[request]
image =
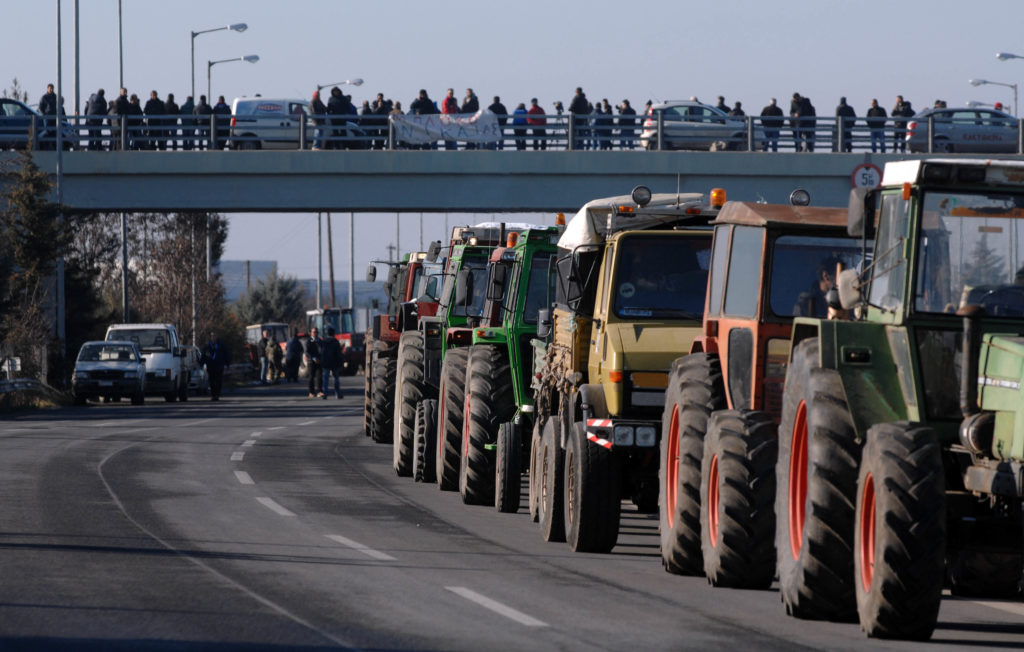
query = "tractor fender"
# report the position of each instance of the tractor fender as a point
(591, 402)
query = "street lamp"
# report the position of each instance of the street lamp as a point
(980, 82)
(348, 82)
(250, 58)
(237, 27)
(1003, 56)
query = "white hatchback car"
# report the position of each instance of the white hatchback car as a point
(692, 125)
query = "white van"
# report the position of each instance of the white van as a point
(165, 357)
(268, 123)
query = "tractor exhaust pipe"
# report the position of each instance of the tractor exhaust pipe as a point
(969, 368)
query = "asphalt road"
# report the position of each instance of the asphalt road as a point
(269, 521)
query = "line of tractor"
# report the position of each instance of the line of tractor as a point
(826, 398)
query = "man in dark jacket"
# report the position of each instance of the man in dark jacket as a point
(154, 111)
(381, 108)
(501, 113)
(317, 111)
(171, 109)
(48, 107)
(216, 357)
(202, 112)
(771, 120)
(96, 106)
(579, 107)
(314, 356)
(188, 132)
(221, 110)
(292, 358)
(337, 107)
(846, 118)
(627, 125)
(331, 361)
(876, 123)
(899, 134)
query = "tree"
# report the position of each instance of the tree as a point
(16, 91)
(276, 298)
(984, 266)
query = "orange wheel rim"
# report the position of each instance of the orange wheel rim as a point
(798, 480)
(672, 468)
(712, 505)
(866, 542)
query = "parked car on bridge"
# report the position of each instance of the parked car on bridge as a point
(16, 126)
(964, 130)
(110, 370)
(273, 123)
(692, 125)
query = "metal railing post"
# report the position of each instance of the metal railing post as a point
(661, 123)
(1020, 135)
(212, 142)
(931, 134)
(391, 134)
(571, 124)
(34, 132)
(302, 132)
(123, 124)
(750, 133)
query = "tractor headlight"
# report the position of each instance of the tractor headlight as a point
(623, 435)
(646, 436)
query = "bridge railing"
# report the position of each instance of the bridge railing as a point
(561, 132)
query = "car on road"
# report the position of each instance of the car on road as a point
(198, 380)
(963, 130)
(109, 370)
(16, 125)
(691, 125)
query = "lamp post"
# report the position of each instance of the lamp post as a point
(981, 82)
(250, 58)
(348, 82)
(237, 27)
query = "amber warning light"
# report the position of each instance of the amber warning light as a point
(718, 197)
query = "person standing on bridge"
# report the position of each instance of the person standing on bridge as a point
(876, 123)
(154, 111)
(171, 110)
(317, 111)
(902, 109)
(580, 110)
(771, 120)
(846, 118)
(519, 126)
(450, 106)
(48, 107)
(216, 357)
(202, 112)
(95, 107)
(501, 113)
(538, 122)
(187, 132)
(221, 136)
(627, 125)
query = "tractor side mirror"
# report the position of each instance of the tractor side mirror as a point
(496, 287)
(543, 322)
(848, 285)
(433, 251)
(860, 214)
(371, 273)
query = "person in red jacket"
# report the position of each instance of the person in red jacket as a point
(450, 106)
(538, 122)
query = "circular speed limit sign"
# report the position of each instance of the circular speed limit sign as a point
(866, 175)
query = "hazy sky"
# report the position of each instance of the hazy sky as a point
(746, 50)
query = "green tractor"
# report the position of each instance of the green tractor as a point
(901, 444)
(499, 367)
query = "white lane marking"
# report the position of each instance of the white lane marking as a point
(496, 607)
(308, 423)
(237, 456)
(355, 545)
(273, 506)
(105, 425)
(196, 423)
(248, 443)
(255, 434)
(1008, 607)
(244, 477)
(276, 428)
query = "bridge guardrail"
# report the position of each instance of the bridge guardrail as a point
(561, 133)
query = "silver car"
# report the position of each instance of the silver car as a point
(16, 119)
(692, 125)
(198, 380)
(109, 370)
(966, 130)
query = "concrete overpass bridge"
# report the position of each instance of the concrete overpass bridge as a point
(433, 181)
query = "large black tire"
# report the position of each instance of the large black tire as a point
(410, 389)
(424, 445)
(138, 399)
(738, 499)
(535, 471)
(507, 470)
(814, 515)
(368, 390)
(490, 401)
(552, 460)
(900, 532)
(383, 399)
(981, 573)
(591, 503)
(695, 390)
(451, 402)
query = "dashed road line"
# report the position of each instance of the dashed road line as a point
(308, 423)
(196, 423)
(1008, 607)
(237, 456)
(255, 434)
(274, 506)
(355, 545)
(248, 443)
(276, 428)
(244, 477)
(496, 607)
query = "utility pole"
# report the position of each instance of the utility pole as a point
(330, 258)
(319, 264)
(398, 238)
(351, 259)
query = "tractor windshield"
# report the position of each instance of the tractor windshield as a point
(804, 268)
(538, 287)
(969, 254)
(662, 278)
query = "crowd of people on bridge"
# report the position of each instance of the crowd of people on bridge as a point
(164, 124)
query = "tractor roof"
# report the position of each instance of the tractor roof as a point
(776, 215)
(600, 218)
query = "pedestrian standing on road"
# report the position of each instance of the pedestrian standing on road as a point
(538, 123)
(202, 112)
(331, 363)
(171, 110)
(317, 111)
(876, 123)
(154, 111)
(187, 131)
(261, 352)
(274, 357)
(519, 126)
(216, 357)
(501, 113)
(293, 358)
(902, 109)
(846, 117)
(771, 120)
(627, 125)
(314, 352)
(221, 109)
(95, 107)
